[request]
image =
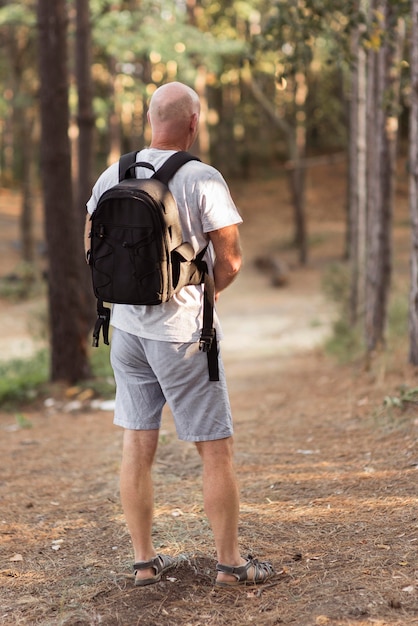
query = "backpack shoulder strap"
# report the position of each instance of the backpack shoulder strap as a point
(124, 162)
(173, 163)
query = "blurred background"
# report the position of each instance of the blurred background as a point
(285, 86)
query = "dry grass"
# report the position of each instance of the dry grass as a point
(331, 501)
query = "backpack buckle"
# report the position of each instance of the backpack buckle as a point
(206, 337)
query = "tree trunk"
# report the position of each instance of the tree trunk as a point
(85, 120)
(299, 172)
(357, 181)
(381, 181)
(115, 131)
(374, 137)
(69, 361)
(297, 177)
(27, 235)
(204, 135)
(296, 143)
(413, 187)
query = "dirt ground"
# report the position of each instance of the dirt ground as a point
(328, 476)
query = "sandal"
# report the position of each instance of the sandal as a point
(160, 564)
(262, 571)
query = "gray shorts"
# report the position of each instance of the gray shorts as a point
(150, 373)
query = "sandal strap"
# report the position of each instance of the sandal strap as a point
(159, 563)
(227, 569)
(262, 570)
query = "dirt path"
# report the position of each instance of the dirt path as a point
(328, 482)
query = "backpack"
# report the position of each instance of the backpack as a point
(137, 253)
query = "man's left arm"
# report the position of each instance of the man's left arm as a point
(87, 239)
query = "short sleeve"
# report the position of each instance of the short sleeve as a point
(217, 206)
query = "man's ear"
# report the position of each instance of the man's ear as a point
(194, 122)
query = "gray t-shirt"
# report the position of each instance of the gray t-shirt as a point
(205, 204)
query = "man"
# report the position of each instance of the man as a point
(156, 359)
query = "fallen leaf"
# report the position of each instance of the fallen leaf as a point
(87, 394)
(72, 391)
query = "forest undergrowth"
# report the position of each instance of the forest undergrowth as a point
(326, 455)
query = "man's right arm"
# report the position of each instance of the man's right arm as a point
(228, 256)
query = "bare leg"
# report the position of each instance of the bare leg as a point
(137, 493)
(221, 499)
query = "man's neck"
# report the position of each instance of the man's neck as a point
(165, 146)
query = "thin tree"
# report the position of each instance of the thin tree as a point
(295, 138)
(19, 124)
(375, 226)
(382, 136)
(86, 123)
(357, 186)
(413, 186)
(69, 360)
(26, 220)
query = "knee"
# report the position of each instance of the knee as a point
(139, 448)
(219, 450)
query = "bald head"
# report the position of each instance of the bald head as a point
(174, 115)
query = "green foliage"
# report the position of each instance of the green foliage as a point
(21, 284)
(397, 409)
(158, 30)
(407, 397)
(100, 361)
(293, 28)
(140, 44)
(145, 44)
(22, 421)
(398, 317)
(336, 284)
(345, 343)
(21, 379)
(308, 39)
(17, 14)
(102, 383)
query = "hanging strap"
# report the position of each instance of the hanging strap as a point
(102, 324)
(208, 342)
